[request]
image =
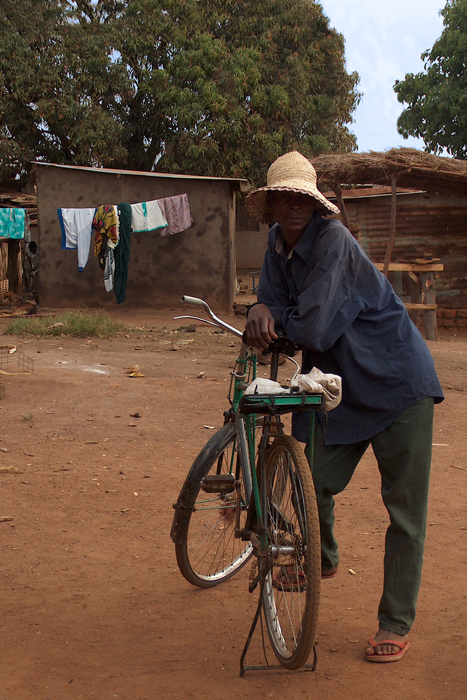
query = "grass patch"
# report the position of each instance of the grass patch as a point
(78, 324)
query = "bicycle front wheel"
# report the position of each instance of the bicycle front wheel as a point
(291, 589)
(206, 547)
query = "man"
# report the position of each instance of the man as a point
(321, 289)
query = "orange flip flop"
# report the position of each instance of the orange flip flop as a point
(386, 658)
(329, 573)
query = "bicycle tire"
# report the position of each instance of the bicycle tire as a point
(206, 548)
(291, 589)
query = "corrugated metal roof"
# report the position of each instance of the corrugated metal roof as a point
(139, 172)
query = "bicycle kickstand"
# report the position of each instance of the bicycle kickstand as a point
(264, 568)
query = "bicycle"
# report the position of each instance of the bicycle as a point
(249, 495)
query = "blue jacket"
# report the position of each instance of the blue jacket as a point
(328, 296)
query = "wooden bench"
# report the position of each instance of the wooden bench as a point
(425, 273)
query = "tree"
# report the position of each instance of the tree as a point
(437, 97)
(264, 77)
(57, 91)
(211, 87)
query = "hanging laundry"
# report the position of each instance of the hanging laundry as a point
(12, 222)
(76, 225)
(105, 225)
(109, 269)
(122, 252)
(177, 212)
(147, 216)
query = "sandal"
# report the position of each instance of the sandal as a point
(288, 578)
(329, 573)
(385, 658)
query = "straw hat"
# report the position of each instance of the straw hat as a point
(291, 172)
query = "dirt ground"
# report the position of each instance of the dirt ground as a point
(93, 605)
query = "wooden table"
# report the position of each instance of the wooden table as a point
(426, 301)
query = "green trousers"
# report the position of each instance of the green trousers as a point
(403, 453)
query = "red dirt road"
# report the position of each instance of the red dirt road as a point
(93, 605)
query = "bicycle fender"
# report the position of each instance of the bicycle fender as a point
(199, 469)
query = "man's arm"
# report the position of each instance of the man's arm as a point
(272, 301)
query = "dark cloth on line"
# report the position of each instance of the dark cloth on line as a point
(122, 252)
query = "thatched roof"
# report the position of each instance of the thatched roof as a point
(24, 201)
(413, 169)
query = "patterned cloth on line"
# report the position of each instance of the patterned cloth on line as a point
(109, 269)
(12, 222)
(105, 224)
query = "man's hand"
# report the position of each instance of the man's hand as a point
(259, 329)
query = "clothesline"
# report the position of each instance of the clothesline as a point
(113, 226)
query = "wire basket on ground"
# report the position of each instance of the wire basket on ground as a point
(13, 361)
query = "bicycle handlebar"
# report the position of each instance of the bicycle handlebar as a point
(195, 301)
(283, 344)
(218, 321)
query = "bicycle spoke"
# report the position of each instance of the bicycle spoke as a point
(209, 552)
(291, 588)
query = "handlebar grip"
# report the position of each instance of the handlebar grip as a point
(192, 300)
(282, 345)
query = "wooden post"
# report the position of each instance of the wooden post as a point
(428, 296)
(3, 260)
(392, 236)
(340, 202)
(19, 270)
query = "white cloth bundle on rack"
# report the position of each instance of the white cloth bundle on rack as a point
(315, 382)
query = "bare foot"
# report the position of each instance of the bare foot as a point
(385, 649)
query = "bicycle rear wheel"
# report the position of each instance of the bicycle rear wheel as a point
(292, 587)
(205, 544)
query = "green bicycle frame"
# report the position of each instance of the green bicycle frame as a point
(245, 371)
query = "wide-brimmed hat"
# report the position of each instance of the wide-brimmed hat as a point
(291, 172)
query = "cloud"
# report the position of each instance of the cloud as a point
(383, 41)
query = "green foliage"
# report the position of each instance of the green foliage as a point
(57, 91)
(437, 98)
(78, 324)
(210, 87)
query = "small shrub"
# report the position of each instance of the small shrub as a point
(78, 324)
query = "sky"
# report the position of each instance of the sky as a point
(383, 42)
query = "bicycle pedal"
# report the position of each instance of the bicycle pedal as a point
(253, 570)
(218, 483)
(254, 576)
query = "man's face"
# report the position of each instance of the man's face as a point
(293, 212)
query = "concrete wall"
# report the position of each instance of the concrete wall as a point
(199, 261)
(251, 247)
